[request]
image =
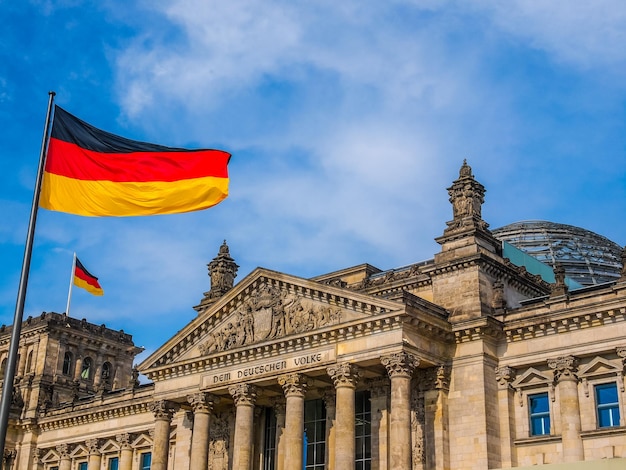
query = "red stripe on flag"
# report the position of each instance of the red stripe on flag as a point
(72, 161)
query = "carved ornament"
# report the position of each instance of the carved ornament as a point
(400, 364)
(243, 394)
(202, 402)
(293, 384)
(565, 368)
(344, 374)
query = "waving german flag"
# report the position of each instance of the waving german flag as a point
(94, 173)
(86, 280)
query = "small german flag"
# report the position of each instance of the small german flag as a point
(86, 280)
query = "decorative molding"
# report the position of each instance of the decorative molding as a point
(505, 375)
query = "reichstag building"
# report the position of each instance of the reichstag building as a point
(507, 349)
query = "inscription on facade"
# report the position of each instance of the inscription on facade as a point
(261, 369)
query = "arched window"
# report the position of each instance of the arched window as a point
(3, 368)
(86, 371)
(68, 360)
(106, 371)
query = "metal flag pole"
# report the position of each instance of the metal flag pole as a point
(7, 389)
(69, 294)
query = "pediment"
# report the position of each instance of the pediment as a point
(599, 367)
(142, 440)
(265, 307)
(532, 377)
(79, 451)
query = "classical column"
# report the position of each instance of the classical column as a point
(95, 457)
(163, 411)
(379, 397)
(126, 451)
(345, 377)
(505, 375)
(202, 405)
(400, 367)
(244, 396)
(294, 386)
(64, 457)
(565, 376)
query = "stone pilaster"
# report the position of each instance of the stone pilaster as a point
(379, 399)
(163, 411)
(202, 405)
(244, 396)
(400, 367)
(345, 377)
(126, 451)
(331, 412)
(294, 387)
(566, 378)
(505, 375)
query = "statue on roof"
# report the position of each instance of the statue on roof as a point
(222, 271)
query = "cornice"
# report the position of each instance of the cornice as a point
(564, 321)
(477, 330)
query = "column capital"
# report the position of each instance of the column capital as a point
(243, 394)
(565, 368)
(123, 440)
(293, 384)
(344, 374)
(400, 364)
(93, 445)
(64, 451)
(505, 375)
(202, 402)
(163, 409)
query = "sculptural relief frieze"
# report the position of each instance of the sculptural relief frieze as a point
(269, 313)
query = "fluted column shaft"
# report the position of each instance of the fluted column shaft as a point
(65, 462)
(279, 411)
(565, 375)
(244, 396)
(163, 411)
(294, 386)
(400, 367)
(345, 377)
(202, 405)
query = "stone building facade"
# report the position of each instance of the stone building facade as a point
(464, 361)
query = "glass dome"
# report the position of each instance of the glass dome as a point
(587, 257)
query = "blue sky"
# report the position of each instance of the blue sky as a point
(347, 121)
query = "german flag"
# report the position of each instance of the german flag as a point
(86, 280)
(91, 172)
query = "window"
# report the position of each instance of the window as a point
(607, 405)
(314, 435)
(29, 361)
(82, 466)
(270, 440)
(539, 410)
(106, 371)
(86, 370)
(363, 431)
(146, 461)
(68, 360)
(113, 463)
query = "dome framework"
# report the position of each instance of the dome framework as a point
(587, 257)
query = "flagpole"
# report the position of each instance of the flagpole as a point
(7, 389)
(69, 294)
